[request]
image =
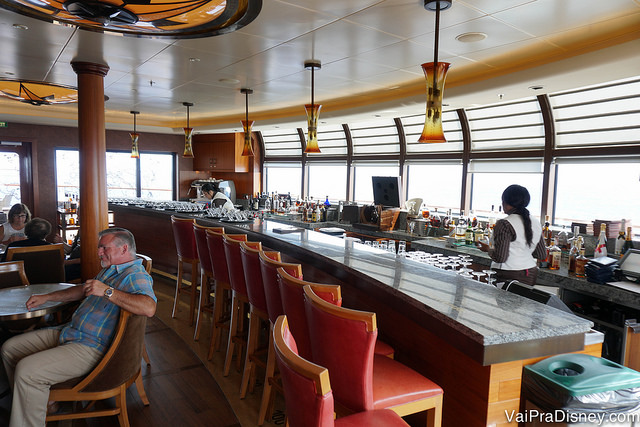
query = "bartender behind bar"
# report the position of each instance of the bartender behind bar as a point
(218, 199)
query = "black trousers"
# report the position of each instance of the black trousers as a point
(528, 277)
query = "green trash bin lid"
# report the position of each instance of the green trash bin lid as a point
(580, 374)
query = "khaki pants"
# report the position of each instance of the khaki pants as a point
(33, 362)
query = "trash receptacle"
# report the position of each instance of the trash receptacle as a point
(580, 390)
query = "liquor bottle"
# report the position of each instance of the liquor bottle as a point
(581, 261)
(628, 243)
(492, 217)
(573, 254)
(555, 256)
(478, 234)
(461, 228)
(435, 219)
(327, 205)
(562, 239)
(474, 220)
(546, 231)
(619, 243)
(314, 215)
(317, 213)
(468, 235)
(601, 247)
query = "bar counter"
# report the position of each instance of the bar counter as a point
(470, 338)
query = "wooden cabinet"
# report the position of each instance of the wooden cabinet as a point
(219, 152)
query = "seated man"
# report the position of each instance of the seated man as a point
(36, 231)
(36, 360)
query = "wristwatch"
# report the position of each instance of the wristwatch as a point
(108, 292)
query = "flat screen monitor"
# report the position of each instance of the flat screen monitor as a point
(386, 191)
(229, 189)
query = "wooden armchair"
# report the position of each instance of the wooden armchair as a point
(12, 274)
(117, 370)
(42, 264)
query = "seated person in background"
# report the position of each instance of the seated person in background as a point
(36, 360)
(72, 261)
(13, 230)
(218, 198)
(36, 231)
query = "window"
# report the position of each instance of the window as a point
(155, 173)
(437, 184)
(327, 179)
(9, 179)
(282, 142)
(597, 189)
(490, 178)
(363, 186)
(283, 178)
(331, 140)
(451, 127)
(156, 176)
(379, 137)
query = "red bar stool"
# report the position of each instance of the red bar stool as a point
(307, 389)
(223, 289)
(293, 303)
(206, 270)
(270, 261)
(363, 380)
(187, 253)
(231, 244)
(249, 253)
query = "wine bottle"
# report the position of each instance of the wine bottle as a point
(492, 217)
(601, 247)
(581, 261)
(546, 231)
(628, 243)
(619, 243)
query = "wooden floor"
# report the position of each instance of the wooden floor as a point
(183, 387)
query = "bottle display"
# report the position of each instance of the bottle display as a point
(601, 246)
(581, 261)
(555, 256)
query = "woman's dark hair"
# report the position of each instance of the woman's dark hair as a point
(518, 197)
(18, 209)
(210, 186)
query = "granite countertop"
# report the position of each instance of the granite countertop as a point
(488, 315)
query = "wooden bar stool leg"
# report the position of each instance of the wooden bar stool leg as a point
(218, 307)
(267, 390)
(178, 286)
(252, 344)
(242, 318)
(233, 327)
(194, 290)
(141, 392)
(204, 293)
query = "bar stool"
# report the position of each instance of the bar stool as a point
(223, 289)
(239, 298)
(292, 297)
(206, 270)
(249, 254)
(307, 389)
(270, 261)
(362, 380)
(187, 253)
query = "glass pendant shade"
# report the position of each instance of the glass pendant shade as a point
(313, 111)
(188, 146)
(435, 76)
(135, 154)
(247, 149)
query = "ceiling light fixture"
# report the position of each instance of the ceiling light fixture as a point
(188, 134)
(149, 18)
(435, 72)
(313, 111)
(471, 37)
(37, 93)
(247, 149)
(135, 154)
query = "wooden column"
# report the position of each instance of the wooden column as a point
(92, 151)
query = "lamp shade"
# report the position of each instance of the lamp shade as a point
(188, 146)
(247, 148)
(435, 76)
(313, 111)
(135, 153)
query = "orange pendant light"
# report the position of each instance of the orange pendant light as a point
(313, 112)
(135, 154)
(188, 134)
(247, 149)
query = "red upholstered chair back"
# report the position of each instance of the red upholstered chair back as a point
(200, 235)
(217, 255)
(183, 236)
(252, 275)
(343, 341)
(231, 244)
(269, 263)
(292, 296)
(307, 391)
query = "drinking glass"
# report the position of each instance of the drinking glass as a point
(478, 274)
(402, 248)
(383, 245)
(490, 273)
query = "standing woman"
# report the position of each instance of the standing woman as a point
(517, 241)
(13, 230)
(218, 198)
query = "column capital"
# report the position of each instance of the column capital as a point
(90, 68)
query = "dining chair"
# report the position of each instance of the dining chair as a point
(270, 261)
(291, 291)
(222, 297)
(249, 254)
(111, 377)
(361, 379)
(239, 299)
(187, 254)
(42, 264)
(206, 272)
(307, 389)
(12, 274)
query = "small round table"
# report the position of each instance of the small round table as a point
(12, 301)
